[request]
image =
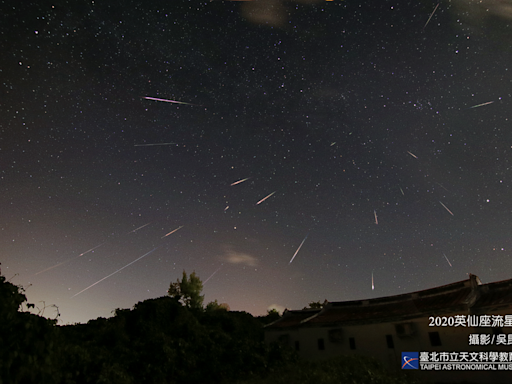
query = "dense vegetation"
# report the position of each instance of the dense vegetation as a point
(340, 370)
(170, 339)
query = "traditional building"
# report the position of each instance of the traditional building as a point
(460, 318)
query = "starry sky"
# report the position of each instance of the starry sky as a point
(355, 117)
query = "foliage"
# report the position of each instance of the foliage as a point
(188, 291)
(342, 369)
(160, 341)
(272, 315)
(28, 346)
(215, 306)
(316, 304)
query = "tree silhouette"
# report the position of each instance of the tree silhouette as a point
(29, 343)
(188, 291)
(317, 304)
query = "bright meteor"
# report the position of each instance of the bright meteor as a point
(174, 230)
(445, 207)
(112, 274)
(412, 154)
(239, 181)
(298, 249)
(167, 100)
(265, 198)
(447, 260)
(432, 14)
(67, 261)
(481, 105)
(136, 229)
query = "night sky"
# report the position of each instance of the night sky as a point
(356, 115)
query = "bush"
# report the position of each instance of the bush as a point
(343, 369)
(29, 343)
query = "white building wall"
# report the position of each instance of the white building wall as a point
(370, 340)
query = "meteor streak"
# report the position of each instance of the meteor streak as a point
(112, 274)
(212, 275)
(167, 100)
(447, 260)
(239, 181)
(170, 233)
(136, 229)
(265, 198)
(67, 261)
(445, 207)
(432, 14)
(481, 105)
(90, 250)
(412, 154)
(442, 187)
(55, 266)
(375, 214)
(373, 286)
(298, 249)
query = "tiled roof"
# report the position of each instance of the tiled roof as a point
(408, 306)
(494, 296)
(460, 297)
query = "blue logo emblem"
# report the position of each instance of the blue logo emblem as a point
(410, 360)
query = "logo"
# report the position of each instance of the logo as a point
(410, 360)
